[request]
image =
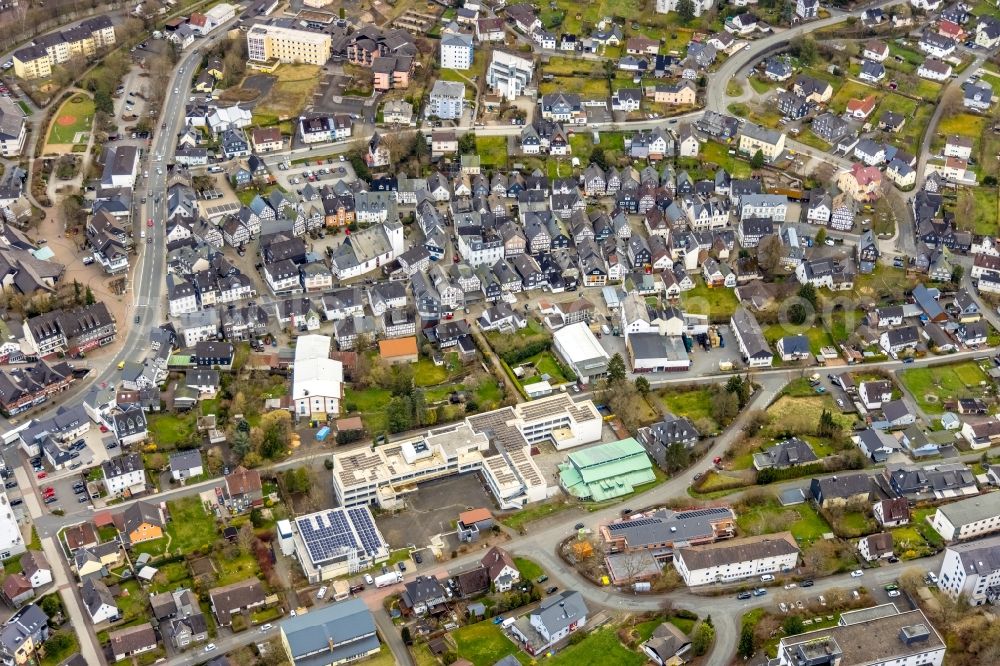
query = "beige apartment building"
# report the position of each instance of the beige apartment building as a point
(36, 60)
(275, 43)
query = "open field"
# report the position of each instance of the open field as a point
(75, 115)
(932, 387)
(577, 18)
(190, 528)
(802, 520)
(492, 150)
(693, 403)
(983, 203)
(884, 282)
(528, 568)
(963, 124)
(291, 92)
(484, 644)
(719, 303)
(801, 414)
(818, 336)
(597, 649)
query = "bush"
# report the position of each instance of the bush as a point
(685, 614)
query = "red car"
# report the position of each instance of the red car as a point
(149, 222)
(104, 428)
(42, 475)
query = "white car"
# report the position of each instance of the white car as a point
(369, 580)
(210, 647)
(791, 586)
(783, 607)
(321, 593)
(893, 593)
(857, 573)
(266, 627)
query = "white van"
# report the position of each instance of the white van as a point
(766, 578)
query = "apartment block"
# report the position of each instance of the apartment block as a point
(276, 43)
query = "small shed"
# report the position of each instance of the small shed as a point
(476, 610)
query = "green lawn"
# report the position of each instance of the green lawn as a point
(850, 90)
(884, 283)
(597, 649)
(190, 528)
(492, 150)
(484, 644)
(984, 205)
(931, 387)
(718, 154)
(533, 512)
(56, 654)
(963, 124)
(546, 364)
(818, 336)
(693, 403)
(168, 430)
(75, 115)
(802, 520)
(425, 373)
(528, 568)
(719, 303)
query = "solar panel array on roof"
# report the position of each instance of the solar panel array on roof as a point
(371, 540)
(332, 534)
(629, 524)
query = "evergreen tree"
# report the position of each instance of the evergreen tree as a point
(616, 369)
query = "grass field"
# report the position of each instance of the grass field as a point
(189, 529)
(519, 519)
(692, 403)
(818, 336)
(719, 303)
(802, 520)
(484, 644)
(983, 204)
(963, 124)
(597, 649)
(613, 144)
(528, 568)
(801, 414)
(883, 283)
(75, 115)
(718, 154)
(546, 364)
(492, 150)
(291, 92)
(850, 90)
(577, 17)
(931, 387)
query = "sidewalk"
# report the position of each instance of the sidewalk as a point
(63, 578)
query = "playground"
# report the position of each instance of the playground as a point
(72, 123)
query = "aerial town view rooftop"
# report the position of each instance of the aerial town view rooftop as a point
(499, 333)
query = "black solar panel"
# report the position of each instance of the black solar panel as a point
(327, 535)
(371, 540)
(629, 524)
(697, 513)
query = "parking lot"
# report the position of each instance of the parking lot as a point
(432, 509)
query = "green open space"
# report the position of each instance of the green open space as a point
(545, 363)
(962, 124)
(712, 156)
(580, 18)
(75, 115)
(484, 644)
(612, 143)
(292, 90)
(718, 303)
(883, 283)
(492, 150)
(800, 414)
(983, 203)
(190, 528)
(533, 512)
(529, 569)
(693, 403)
(599, 648)
(848, 91)
(818, 336)
(802, 520)
(931, 387)
(59, 647)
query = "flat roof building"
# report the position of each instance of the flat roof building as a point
(334, 542)
(903, 639)
(276, 43)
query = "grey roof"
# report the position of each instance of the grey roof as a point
(561, 610)
(895, 409)
(677, 528)
(980, 557)
(96, 594)
(738, 550)
(331, 634)
(29, 621)
(972, 509)
(185, 460)
(750, 332)
(843, 486)
(792, 451)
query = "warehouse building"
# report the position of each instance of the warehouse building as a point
(581, 351)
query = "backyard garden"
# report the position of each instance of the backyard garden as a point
(933, 388)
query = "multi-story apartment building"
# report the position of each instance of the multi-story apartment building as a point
(71, 331)
(729, 561)
(276, 43)
(509, 74)
(972, 570)
(447, 100)
(36, 60)
(12, 128)
(968, 519)
(456, 50)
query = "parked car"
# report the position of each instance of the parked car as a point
(857, 573)
(743, 595)
(551, 590)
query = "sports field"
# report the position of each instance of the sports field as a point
(74, 117)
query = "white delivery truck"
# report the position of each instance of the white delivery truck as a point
(390, 578)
